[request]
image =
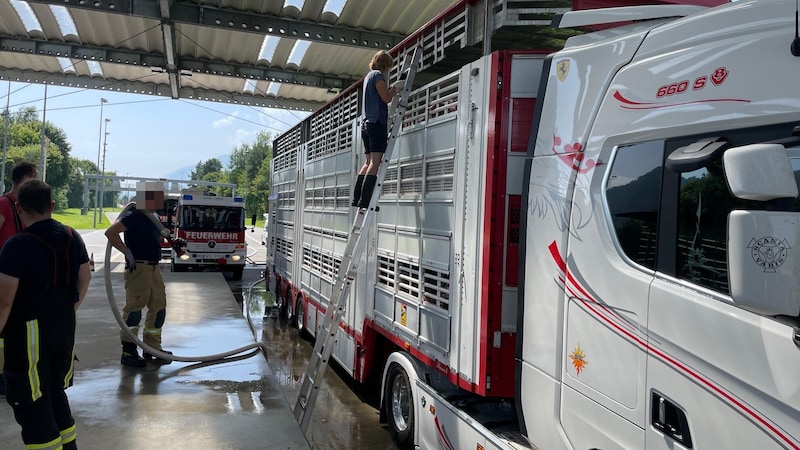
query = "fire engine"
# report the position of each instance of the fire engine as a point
(167, 217)
(214, 230)
(591, 248)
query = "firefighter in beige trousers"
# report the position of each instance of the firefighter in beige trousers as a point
(144, 286)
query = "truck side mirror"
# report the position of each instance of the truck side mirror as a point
(759, 172)
(763, 246)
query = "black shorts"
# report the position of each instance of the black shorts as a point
(374, 136)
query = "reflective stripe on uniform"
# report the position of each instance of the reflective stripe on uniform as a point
(32, 329)
(152, 331)
(55, 444)
(68, 376)
(69, 435)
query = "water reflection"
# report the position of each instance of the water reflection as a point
(346, 413)
(259, 303)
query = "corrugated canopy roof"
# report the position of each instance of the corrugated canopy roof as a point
(292, 54)
(287, 54)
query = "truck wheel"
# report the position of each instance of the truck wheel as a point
(283, 309)
(398, 405)
(291, 312)
(237, 273)
(300, 316)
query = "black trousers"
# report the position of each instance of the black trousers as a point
(39, 367)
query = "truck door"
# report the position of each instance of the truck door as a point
(718, 376)
(604, 364)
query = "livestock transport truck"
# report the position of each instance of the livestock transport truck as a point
(594, 249)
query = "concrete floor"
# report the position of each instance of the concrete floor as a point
(346, 414)
(235, 405)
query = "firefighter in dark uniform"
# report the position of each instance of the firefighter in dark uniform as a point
(44, 276)
(144, 286)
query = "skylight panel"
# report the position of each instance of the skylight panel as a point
(334, 6)
(273, 88)
(268, 47)
(296, 3)
(94, 68)
(26, 15)
(298, 52)
(66, 64)
(64, 20)
(249, 86)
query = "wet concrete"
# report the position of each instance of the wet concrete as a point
(346, 414)
(236, 405)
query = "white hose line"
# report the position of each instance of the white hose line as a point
(250, 255)
(225, 356)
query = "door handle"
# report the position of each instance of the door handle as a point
(670, 420)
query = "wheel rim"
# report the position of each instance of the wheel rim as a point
(286, 310)
(288, 300)
(400, 405)
(300, 316)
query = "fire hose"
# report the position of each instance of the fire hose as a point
(232, 355)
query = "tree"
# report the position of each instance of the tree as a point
(249, 169)
(204, 168)
(110, 195)
(58, 169)
(24, 144)
(261, 180)
(259, 202)
(78, 169)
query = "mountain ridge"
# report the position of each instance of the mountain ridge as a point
(182, 173)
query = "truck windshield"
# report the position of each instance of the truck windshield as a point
(167, 214)
(211, 218)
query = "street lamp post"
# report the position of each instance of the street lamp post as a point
(99, 140)
(7, 116)
(45, 141)
(103, 170)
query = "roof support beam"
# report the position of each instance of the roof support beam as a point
(76, 51)
(183, 67)
(138, 87)
(238, 20)
(169, 48)
(255, 73)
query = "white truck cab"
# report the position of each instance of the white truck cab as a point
(660, 302)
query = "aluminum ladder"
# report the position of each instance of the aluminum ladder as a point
(326, 335)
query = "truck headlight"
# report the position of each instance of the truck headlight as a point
(235, 258)
(184, 257)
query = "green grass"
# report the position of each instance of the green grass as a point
(259, 224)
(73, 218)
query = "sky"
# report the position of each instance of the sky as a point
(148, 136)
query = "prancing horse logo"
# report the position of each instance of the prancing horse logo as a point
(562, 69)
(769, 252)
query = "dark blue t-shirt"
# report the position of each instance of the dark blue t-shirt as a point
(375, 109)
(141, 235)
(32, 261)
